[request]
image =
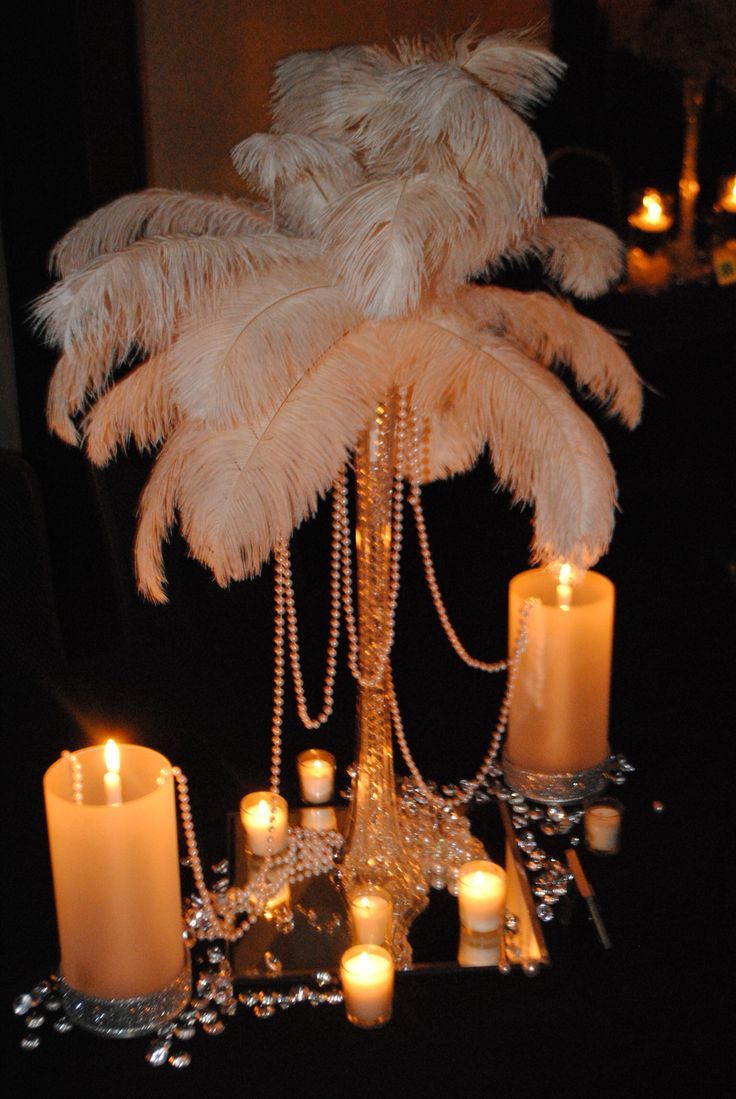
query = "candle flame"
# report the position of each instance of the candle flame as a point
(112, 757)
(652, 203)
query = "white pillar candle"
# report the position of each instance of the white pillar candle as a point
(558, 720)
(481, 895)
(603, 826)
(316, 775)
(369, 908)
(116, 873)
(477, 948)
(257, 811)
(322, 818)
(367, 977)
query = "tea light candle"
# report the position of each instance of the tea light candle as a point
(370, 907)
(316, 775)
(116, 872)
(727, 199)
(481, 895)
(321, 818)
(256, 812)
(367, 977)
(558, 721)
(651, 216)
(603, 826)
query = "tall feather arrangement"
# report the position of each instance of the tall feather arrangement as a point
(248, 342)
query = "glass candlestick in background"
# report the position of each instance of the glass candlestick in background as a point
(557, 744)
(115, 862)
(316, 770)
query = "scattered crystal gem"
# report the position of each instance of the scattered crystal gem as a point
(63, 1025)
(536, 814)
(41, 990)
(213, 1029)
(547, 829)
(504, 968)
(555, 813)
(272, 963)
(31, 1041)
(221, 867)
(53, 1003)
(34, 1020)
(511, 923)
(208, 1016)
(22, 1004)
(545, 913)
(180, 1059)
(215, 955)
(200, 1005)
(322, 977)
(185, 1033)
(158, 1052)
(264, 1011)
(531, 968)
(166, 1030)
(229, 1007)
(618, 780)
(658, 806)
(574, 841)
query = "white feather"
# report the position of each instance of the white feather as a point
(135, 298)
(550, 331)
(259, 337)
(512, 65)
(156, 212)
(584, 258)
(140, 407)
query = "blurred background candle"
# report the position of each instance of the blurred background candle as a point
(367, 977)
(727, 197)
(651, 213)
(603, 825)
(316, 775)
(558, 722)
(318, 818)
(481, 895)
(256, 812)
(116, 872)
(369, 907)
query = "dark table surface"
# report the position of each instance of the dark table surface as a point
(193, 680)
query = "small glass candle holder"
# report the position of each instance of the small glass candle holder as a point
(257, 811)
(370, 907)
(481, 895)
(367, 978)
(316, 770)
(318, 818)
(602, 820)
(479, 948)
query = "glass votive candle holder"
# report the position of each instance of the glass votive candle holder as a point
(479, 948)
(369, 909)
(257, 812)
(367, 978)
(316, 770)
(318, 818)
(651, 216)
(481, 895)
(602, 822)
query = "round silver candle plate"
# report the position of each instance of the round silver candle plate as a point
(556, 789)
(129, 1017)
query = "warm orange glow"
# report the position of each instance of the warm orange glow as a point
(112, 757)
(651, 215)
(727, 200)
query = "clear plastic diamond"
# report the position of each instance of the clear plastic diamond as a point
(31, 1041)
(181, 1059)
(22, 1004)
(157, 1053)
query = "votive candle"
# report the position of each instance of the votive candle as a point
(257, 811)
(603, 825)
(367, 977)
(116, 872)
(369, 907)
(318, 818)
(481, 895)
(316, 770)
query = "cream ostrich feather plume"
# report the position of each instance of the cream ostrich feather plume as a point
(269, 331)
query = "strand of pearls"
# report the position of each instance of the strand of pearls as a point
(283, 563)
(397, 507)
(469, 789)
(429, 569)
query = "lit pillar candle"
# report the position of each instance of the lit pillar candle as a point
(367, 977)
(603, 825)
(558, 722)
(256, 813)
(481, 895)
(116, 873)
(370, 907)
(316, 775)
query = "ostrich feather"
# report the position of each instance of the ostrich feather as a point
(544, 448)
(135, 298)
(387, 238)
(259, 338)
(584, 258)
(447, 448)
(152, 213)
(139, 407)
(512, 65)
(238, 490)
(550, 331)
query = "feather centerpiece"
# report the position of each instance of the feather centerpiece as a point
(270, 330)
